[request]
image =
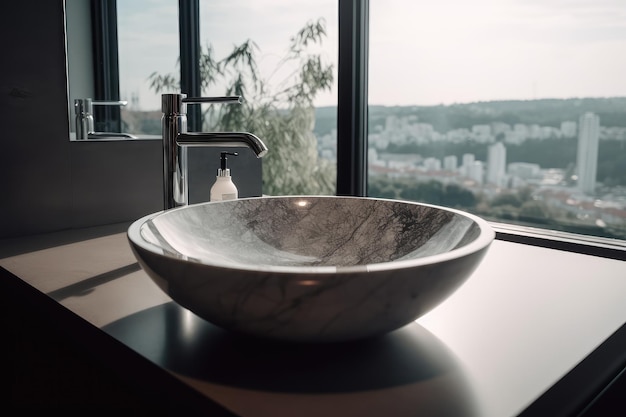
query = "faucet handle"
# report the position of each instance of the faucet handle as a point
(224, 99)
(85, 105)
(176, 104)
(120, 103)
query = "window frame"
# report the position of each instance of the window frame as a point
(352, 111)
(106, 65)
(352, 100)
(190, 78)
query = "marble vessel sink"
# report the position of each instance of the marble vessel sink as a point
(310, 268)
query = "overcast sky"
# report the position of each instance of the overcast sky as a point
(422, 52)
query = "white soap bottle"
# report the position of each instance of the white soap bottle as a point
(224, 188)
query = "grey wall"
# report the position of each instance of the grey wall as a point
(49, 183)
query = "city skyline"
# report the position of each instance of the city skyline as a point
(494, 170)
(509, 190)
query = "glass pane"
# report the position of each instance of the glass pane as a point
(148, 43)
(512, 109)
(281, 56)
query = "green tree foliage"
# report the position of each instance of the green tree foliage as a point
(432, 192)
(545, 112)
(612, 162)
(460, 197)
(506, 199)
(381, 187)
(534, 212)
(283, 116)
(515, 206)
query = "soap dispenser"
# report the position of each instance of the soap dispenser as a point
(224, 188)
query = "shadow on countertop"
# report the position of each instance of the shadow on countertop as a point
(181, 342)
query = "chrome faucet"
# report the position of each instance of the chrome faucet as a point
(83, 107)
(176, 140)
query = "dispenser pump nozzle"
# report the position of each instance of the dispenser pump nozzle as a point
(223, 171)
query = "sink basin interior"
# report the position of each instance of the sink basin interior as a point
(309, 232)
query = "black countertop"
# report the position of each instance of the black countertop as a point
(534, 331)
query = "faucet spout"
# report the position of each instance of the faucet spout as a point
(176, 140)
(221, 139)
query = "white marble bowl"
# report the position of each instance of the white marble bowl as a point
(310, 268)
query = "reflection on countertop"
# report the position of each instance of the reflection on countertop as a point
(398, 374)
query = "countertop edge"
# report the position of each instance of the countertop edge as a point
(587, 389)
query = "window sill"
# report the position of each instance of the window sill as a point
(570, 242)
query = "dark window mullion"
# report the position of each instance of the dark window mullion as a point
(190, 80)
(106, 64)
(352, 98)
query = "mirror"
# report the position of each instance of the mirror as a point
(124, 118)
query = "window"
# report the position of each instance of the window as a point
(281, 57)
(483, 105)
(513, 110)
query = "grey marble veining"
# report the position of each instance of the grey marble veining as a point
(324, 232)
(310, 268)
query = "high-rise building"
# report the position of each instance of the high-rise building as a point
(587, 156)
(496, 164)
(450, 163)
(466, 165)
(476, 171)
(432, 164)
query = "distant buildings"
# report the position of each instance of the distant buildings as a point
(584, 203)
(496, 136)
(432, 164)
(467, 164)
(524, 170)
(587, 156)
(450, 163)
(496, 164)
(475, 172)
